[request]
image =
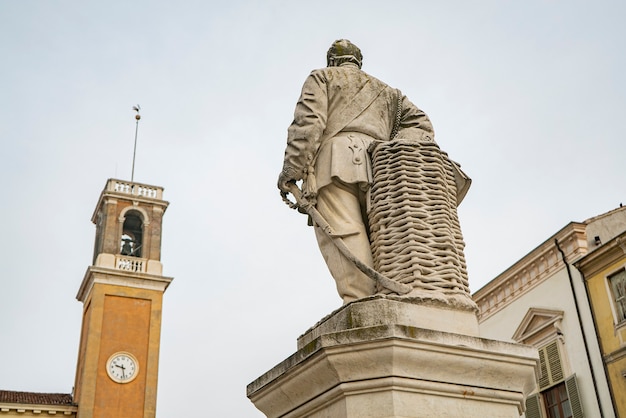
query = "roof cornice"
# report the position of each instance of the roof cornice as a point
(531, 270)
(600, 258)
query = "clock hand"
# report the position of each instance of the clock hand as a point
(123, 370)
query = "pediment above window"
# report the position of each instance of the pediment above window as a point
(538, 325)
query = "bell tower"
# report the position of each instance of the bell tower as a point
(122, 293)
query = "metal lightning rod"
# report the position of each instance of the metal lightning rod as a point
(137, 117)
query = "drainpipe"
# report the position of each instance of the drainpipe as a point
(580, 323)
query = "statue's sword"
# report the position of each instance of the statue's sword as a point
(318, 219)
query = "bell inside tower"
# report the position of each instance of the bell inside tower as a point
(132, 235)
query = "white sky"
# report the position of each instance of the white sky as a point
(529, 97)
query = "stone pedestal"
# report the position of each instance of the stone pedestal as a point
(380, 357)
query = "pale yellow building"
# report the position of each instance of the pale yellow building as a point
(604, 272)
(122, 294)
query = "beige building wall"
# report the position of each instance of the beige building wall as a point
(553, 294)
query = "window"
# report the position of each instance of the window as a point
(558, 397)
(557, 402)
(618, 287)
(560, 401)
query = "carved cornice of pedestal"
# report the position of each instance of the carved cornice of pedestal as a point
(412, 366)
(530, 271)
(383, 309)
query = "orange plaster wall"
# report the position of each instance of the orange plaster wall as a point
(125, 327)
(80, 366)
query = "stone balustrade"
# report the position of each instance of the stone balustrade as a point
(134, 264)
(135, 189)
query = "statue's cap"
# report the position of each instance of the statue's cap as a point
(344, 50)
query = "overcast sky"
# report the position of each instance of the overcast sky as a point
(529, 96)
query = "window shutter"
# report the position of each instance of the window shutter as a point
(544, 380)
(551, 366)
(533, 409)
(618, 285)
(554, 362)
(574, 397)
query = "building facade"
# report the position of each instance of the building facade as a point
(604, 272)
(542, 301)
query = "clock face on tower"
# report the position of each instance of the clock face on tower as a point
(122, 367)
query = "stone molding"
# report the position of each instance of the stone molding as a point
(538, 325)
(125, 278)
(380, 310)
(138, 192)
(597, 260)
(616, 355)
(394, 370)
(11, 409)
(532, 270)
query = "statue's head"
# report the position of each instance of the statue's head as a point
(343, 51)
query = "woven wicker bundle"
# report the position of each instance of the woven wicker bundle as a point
(415, 232)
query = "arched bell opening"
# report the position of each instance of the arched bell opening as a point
(132, 234)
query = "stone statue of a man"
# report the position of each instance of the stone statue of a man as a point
(341, 112)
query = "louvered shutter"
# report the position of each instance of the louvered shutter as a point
(544, 380)
(574, 397)
(551, 365)
(533, 408)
